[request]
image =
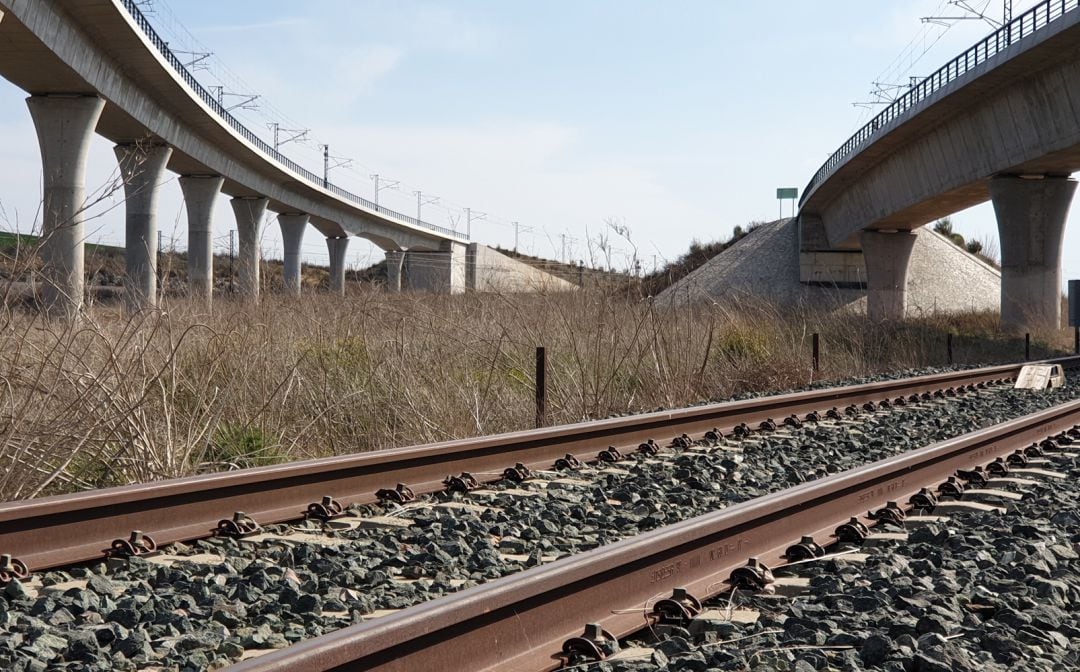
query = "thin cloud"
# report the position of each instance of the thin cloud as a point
(362, 68)
(446, 29)
(290, 22)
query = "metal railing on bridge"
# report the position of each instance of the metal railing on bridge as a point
(163, 47)
(1036, 18)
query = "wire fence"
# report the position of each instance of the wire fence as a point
(163, 48)
(1038, 17)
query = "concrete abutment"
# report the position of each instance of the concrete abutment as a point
(65, 126)
(441, 271)
(1031, 216)
(457, 268)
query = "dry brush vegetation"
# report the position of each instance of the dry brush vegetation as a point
(118, 399)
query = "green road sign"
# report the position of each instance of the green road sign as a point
(787, 192)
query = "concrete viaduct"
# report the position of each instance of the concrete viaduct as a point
(98, 66)
(1000, 122)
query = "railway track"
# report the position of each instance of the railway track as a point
(72, 529)
(574, 609)
(61, 530)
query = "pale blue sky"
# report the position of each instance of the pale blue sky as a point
(678, 119)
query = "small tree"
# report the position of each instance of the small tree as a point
(944, 227)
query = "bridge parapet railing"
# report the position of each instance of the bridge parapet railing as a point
(163, 48)
(1034, 19)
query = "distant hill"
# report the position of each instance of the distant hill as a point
(105, 266)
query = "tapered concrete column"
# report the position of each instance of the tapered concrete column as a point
(887, 256)
(65, 125)
(292, 234)
(249, 215)
(1031, 217)
(337, 248)
(200, 192)
(395, 270)
(143, 171)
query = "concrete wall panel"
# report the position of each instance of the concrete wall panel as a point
(492, 271)
(441, 272)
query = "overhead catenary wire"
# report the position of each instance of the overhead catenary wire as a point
(307, 143)
(933, 28)
(229, 83)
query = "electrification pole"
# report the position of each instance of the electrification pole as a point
(232, 260)
(421, 201)
(325, 165)
(469, 217)
(293, 134)
(390, 184)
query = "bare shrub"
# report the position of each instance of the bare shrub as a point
(175, 391)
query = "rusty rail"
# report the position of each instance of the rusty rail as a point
(520, 622)
(65, 529)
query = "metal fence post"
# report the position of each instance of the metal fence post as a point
(1027, 346)
(541, 387)
(948, 347)
(817, 353)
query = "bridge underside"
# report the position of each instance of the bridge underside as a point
(61, 48)
(91, 68)
(1015, 118)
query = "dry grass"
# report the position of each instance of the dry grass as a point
(167, 393)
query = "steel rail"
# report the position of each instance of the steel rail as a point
(65, 529)
(518, 623)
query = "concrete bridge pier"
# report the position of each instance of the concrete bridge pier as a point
(143, 171)
(337, 247)
(395, 270)
(887, 255)
(64, 125)
(249, 211)
(1031, 217)
(200, 191)
(292, 234)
